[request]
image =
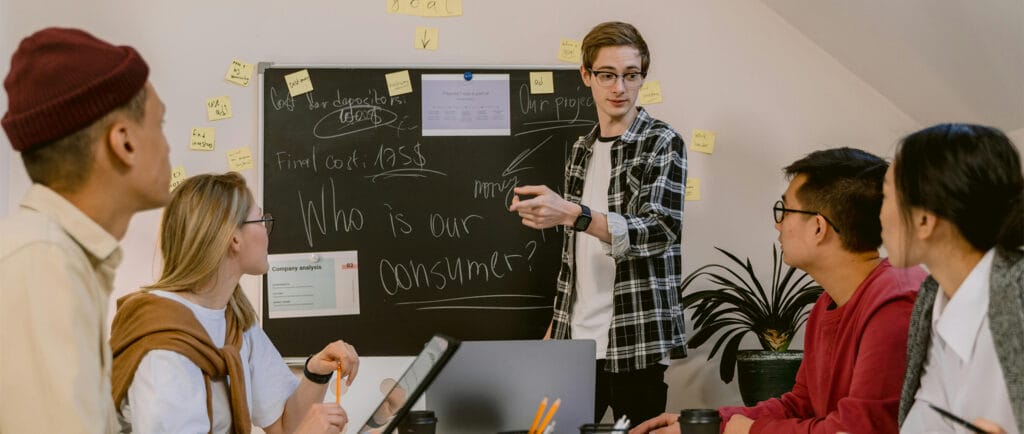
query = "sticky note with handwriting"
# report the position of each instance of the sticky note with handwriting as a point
(239, 72)
(218, 108)
(703, 141)
(570, 50)
(240, 159)
(422, 8)
(650, 92)
(692, 189)
(298, 83)
(399, 83)
(177, 176)
(202, 139)
(426, 38)
(542, 82)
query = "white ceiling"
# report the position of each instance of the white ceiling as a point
(937, 60)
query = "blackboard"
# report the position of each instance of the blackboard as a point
(347, 167)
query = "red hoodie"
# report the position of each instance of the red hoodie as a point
(854, 359)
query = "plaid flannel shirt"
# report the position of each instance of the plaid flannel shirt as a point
(646, 191)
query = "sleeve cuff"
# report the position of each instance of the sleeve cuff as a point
(620, 236)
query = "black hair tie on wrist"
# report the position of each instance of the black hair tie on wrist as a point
(316, 378)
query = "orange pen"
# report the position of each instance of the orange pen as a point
(551, 414)
(337, 385)
(540, 412)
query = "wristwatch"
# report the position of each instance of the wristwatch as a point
(583, 220)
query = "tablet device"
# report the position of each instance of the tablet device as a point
(401, 396)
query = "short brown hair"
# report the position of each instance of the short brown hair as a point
(612, 34)
(65, 163)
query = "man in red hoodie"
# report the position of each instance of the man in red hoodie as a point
(855, 345)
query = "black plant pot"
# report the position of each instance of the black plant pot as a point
(766, 374)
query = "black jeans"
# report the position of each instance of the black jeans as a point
(639, 395)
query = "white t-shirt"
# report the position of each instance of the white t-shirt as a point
(168, 393)
(595, 269)
(962, 373)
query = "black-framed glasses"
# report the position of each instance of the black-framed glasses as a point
(608, 79)
(780, 210)
(268, 222)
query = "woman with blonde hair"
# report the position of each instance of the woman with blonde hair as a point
(953, 202)
(188, 354)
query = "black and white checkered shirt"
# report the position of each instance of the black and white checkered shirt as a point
(645, 193)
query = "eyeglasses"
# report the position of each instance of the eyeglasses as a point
(267, 220)
(631, 80)
(780, 211)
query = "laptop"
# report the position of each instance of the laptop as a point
(491, 386)
(404, 393)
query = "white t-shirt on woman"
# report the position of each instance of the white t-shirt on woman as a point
(168, 393)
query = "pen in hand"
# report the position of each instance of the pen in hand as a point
(954, 418)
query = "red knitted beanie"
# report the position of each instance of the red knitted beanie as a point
(62, 80)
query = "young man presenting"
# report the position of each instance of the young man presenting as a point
(855, 346)
(623, 217)
(89, 128)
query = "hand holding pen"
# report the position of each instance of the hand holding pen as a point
(979, 425)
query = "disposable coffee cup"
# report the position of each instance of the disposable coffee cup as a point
(699, 421)
(418, 422)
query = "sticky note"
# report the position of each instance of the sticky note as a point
(692, 189)
(239, 73)
(703, 141)
(218, 108)
(298, 83)
(426, 38)
(399, 83)
(177, 176)
(240, 159)
(201, 139)
(422, 8)
(542, 82)
(650, 92)
(570, 51)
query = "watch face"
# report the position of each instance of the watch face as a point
(582, 222)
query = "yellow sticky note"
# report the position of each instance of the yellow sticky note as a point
(240, 159)
(570, 50)
(426, 38)
(650, 92)
(399, 83)
(201, 139)
(239, 73)
(298, 82)
(177, 176)
(692, 189)
(703, 141)
(425, 8)
(542, 82)
(218, 108)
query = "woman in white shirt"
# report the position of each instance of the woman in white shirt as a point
(953, 202)
(188, 354)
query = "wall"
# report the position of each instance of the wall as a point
(730, 66)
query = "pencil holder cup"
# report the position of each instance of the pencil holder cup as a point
(699, 421)
(418, 422)
(601, 428)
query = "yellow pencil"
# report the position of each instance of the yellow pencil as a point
(551, 414)
(337, 386)
(540, 412)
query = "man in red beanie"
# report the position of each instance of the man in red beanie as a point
(88, 126)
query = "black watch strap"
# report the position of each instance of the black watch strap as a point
(583, 220)
(316, 378)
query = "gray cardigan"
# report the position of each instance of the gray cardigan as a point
(1006, 322)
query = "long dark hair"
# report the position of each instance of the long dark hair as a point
(967, 174)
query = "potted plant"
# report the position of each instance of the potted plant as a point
(738, 303)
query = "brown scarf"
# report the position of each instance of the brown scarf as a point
(146, 322)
